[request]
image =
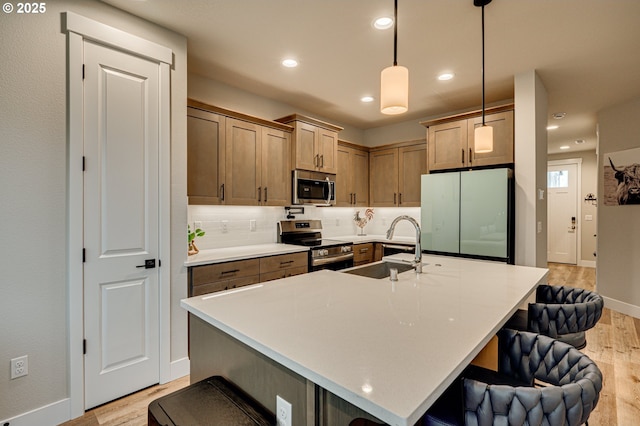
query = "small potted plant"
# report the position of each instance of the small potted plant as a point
(193, 249)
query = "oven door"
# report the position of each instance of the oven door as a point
(334, 263)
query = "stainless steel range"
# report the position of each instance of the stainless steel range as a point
(324, 253)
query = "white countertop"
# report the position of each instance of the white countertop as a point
(389, 348)
(205, 257)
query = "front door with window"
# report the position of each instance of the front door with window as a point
(562, 214)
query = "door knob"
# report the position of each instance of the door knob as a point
(148, 264)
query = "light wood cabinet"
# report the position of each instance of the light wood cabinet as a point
(451, 144)
(205, 156)
(236, 159)
(223, 276)
(363, 254)
(314, 143)
(227, 275)
(282, 266)
(394, 175)
(258, 165)
(352, 179)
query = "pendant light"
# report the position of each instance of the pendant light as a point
(483, 137)
(394, 80)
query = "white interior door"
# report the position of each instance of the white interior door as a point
(121, 298)
(562, 214)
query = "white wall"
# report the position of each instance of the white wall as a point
(224, 96)
(33, 173)
(530, 169)
(589, 184)
(618, 269)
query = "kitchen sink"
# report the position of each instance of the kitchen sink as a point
(379, 270)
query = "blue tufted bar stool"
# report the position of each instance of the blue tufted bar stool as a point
(564, 313)
(573, 384)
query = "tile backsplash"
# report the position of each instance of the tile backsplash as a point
(231, 226)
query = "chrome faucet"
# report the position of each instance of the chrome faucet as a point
(417, 262)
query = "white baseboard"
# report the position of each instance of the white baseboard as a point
(51, 414)
(180, 368)
(622, 307)
(587, 263)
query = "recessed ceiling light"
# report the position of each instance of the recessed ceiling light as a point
(367, 99)
(579, 141)
(552, 127)
(564, 147)
(446, 76)
(559, 115)
(383, 23)
(290, 63)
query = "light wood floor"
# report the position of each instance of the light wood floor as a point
(614, 344)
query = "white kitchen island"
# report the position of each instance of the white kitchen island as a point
(336, 343)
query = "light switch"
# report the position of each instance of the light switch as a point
(539, 227)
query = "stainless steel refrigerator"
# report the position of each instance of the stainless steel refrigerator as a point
(469, 214)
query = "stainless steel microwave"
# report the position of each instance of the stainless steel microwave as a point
(313, 188)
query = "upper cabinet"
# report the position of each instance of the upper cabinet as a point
(394, 175)
(352, 179)
(205, 156)
(236, 159)
(314, 145)
(450, 140)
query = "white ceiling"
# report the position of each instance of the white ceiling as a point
(585, 51)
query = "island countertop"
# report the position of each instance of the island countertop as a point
(389, 348)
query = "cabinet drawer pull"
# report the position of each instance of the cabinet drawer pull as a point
(286, 262)
(233, 271)
(462, 155)
(364, 250)
(222, 192)
(400, 198)
(265, 194)
(470, 156)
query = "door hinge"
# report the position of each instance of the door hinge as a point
(84, 346)
(83, 71)
(84, 255)
(83, 163)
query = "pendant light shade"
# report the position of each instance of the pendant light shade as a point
(394, 90)
(483, 139)
(483, 136)
(394, 80)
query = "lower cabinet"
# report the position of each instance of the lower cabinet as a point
(282, 266)
(362, 254)
(224, 276)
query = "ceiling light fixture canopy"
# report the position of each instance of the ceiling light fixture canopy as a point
(394, 80)
(483, 137)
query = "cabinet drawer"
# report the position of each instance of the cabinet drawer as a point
(283, 273)
(284, 261)
(362, 253)
(225, 271)
(224, 285)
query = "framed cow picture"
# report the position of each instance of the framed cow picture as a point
(622, 178)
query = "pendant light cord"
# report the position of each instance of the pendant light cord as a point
(395, 33)
(482, 64)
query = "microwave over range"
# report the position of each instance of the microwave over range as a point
(313, 188)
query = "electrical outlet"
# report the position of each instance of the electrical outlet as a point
(19, 367)
(283, 412)
(225, 226)
(252, 225)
